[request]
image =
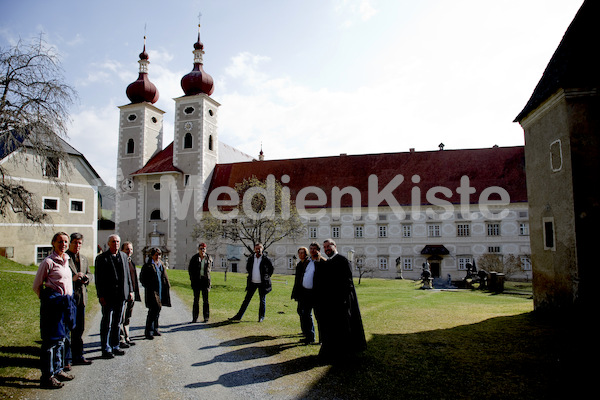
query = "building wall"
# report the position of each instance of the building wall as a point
(392, 247)
(75, 210)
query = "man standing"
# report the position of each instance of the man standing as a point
(114, 287)
(199, 271)
(81, 278)
(127, 248)
(260, 269)
(340, 324)
(303, 289)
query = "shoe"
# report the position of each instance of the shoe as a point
(82, 361)
(118, 352)
(67, 367)
(307, 341)
(107, 355)
(261, 319)
(149, 336)
(157, 333)
(123, 345)
(194, 321)
(51, 383)
(64, 376)
(131, 343)
(205, 320)
(235, 318)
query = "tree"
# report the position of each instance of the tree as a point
(265, 215)
(507, 265)
(363, 265)
(34, 102)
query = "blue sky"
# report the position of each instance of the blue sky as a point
(306, 77)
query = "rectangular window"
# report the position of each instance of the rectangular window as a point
(50, 203)
(335, 232)
(463, 230)
(358, 231)
(493, 249)
(359, 263)
(548, 233)
(186, 180)
(462, 262)
(406, 230)
(524, 228)
(493, 229)
(8, 252)
(50, 168)
(312, 232)
(383, 263)
(76, 206)
(223, 263)
(526, 263)
(290, 263)
(407, 264)
(433, 230)
(382, 231)
(42, 252)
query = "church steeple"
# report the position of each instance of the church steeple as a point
(142, 90)
(197, 81)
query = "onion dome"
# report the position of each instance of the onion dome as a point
(197, 81)
(142, 90)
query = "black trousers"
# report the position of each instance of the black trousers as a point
(196, 306)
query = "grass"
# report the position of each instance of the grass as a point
(421, 343)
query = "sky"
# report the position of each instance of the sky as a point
(305, 78)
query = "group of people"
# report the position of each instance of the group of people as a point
(61, 284)
(323, 286)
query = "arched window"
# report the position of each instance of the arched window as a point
(187, 141)
(130, 146)
(155, 215)
(210, 142)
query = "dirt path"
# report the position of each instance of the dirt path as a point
(188, 361)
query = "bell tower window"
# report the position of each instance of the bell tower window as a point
(210, 142)
(130, 146)
(187, 141)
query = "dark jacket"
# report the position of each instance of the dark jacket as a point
(134, 281)
(149, 280)
(80, 286)
(113, 281)
(298, 289)
(266, 270)
(57, 314)
(200, 281)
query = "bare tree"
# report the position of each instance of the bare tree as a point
(507, 265)
(34, 102)
(363, 265)
(258, 218)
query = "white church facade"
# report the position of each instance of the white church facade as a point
(445, 207)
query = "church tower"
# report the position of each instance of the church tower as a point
(140, 137)
(196, 141)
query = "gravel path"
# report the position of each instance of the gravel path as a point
(188, 361)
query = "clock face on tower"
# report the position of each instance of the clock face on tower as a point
(127, 185)
(188, 126)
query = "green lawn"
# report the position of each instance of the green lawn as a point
(421, 344)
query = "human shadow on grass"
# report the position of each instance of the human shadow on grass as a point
(261, 373)
(19, 357)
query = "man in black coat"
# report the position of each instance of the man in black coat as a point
(199, 270)
(260, 269)
(114, 287)
(336, 306)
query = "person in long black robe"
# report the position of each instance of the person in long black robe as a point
(341, 330)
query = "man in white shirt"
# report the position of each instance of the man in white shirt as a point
(260, 269)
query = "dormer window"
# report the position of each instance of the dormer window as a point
(50, 168)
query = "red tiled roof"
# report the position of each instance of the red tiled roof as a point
(161, 162)
(498, 166)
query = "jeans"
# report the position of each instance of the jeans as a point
(252, 287)
(52, 357)
(110, 324)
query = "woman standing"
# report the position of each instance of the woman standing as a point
(153, 277)
(53, 285)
